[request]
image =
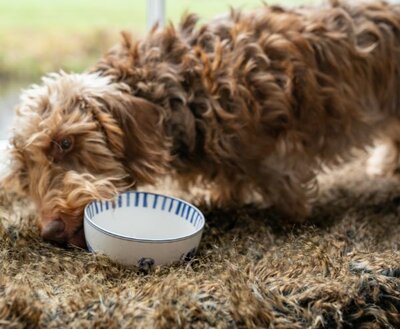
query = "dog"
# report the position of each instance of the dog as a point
(250, 104)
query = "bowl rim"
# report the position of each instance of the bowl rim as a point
(129, 238)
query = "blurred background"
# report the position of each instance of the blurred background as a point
(41, 36)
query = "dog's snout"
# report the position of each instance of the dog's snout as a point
(54, 231)
(78, 239)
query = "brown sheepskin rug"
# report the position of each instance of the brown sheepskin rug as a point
(341, 270)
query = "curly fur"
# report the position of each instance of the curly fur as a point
(249, 104)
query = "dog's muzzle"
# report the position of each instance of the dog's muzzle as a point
(55, 231)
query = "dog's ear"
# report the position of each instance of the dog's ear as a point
(134, 129)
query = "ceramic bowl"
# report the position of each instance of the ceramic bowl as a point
(143, 229)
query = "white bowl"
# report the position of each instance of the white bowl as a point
(143, 229)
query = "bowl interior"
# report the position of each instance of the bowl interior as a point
(145, 216)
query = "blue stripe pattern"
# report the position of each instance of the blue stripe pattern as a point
(150, 200)
(164, 203)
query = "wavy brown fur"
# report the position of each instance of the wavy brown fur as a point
(341, 271)
(250, 105)
(257, 101)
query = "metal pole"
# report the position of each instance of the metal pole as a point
(155, 13)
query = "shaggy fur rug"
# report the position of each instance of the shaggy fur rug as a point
(341, 270)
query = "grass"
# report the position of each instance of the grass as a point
(37, 36)
(88, 14)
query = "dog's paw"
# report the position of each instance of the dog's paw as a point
(383, 161)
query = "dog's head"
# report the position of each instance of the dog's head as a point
(80, 137)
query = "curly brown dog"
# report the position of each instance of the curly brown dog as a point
(249, 104)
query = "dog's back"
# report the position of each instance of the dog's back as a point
(306, 73)
(293, 88)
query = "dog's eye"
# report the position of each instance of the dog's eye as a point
(66, 144)
(60, 148)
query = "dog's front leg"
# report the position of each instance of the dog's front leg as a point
(287, 192)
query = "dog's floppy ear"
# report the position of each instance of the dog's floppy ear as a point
(134, 129)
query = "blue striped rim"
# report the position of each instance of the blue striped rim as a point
(179, 208)
(137, 197)
(155, 201)
(164, 203)
(171, 204)
(188, 212)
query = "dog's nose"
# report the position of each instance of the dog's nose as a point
(54, 231)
